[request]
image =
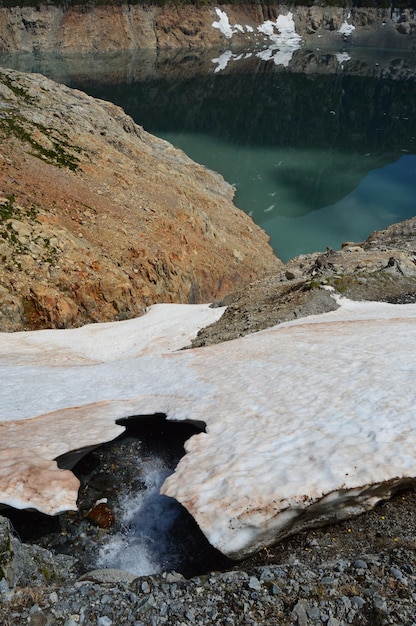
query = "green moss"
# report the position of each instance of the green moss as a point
(9, 210)
(312, 284)
(13, 86)
(46, 573)
(15, 126)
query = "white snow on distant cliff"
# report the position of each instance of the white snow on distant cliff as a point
(310, 421)
(281, 33)
(346, 28)
(223, 24)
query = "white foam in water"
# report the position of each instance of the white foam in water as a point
(143, 546)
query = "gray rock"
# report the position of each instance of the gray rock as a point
(254, 583)
(299, 613)
(108, 576)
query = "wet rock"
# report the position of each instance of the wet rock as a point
(102, 515)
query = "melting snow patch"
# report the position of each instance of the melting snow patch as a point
(310, 421)
(282, 34)
(346, 29)
(342, 57)
(223, 25)
(284, 37)
(282, 31)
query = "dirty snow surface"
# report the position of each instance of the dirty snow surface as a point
(306, 422)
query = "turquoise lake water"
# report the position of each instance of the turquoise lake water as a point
(319, 152)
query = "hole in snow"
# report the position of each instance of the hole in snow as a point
(151, 533)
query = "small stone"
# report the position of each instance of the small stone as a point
(53, 597)
(254, 583)
(104, 621)
(314, 612)
(360, 564)
(394, 571)
(146, 604)
(102, 515)
(299, 613)
(105, 598)
(274, 590)
(174, 577)
(380, 603)
(109, 575)
(145, 587)
(359, 602)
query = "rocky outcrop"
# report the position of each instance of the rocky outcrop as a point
(126, 27)
(23, 565)
(381, 268)
(99, 219)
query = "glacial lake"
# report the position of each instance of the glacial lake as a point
(320, 146)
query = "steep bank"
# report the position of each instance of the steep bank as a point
(43, 28)
(99, 219)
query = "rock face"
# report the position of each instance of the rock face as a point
(381, 268)
(99, 219)
(126, 27)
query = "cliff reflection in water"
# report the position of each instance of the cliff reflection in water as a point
(320, 151)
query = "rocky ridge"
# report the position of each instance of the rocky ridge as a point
(381, 268)
(44, 27)
(99, 219)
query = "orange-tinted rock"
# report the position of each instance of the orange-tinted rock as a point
(102, 515)
(113, 220)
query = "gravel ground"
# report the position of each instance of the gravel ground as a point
(363, 572)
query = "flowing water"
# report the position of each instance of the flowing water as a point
(321, 149)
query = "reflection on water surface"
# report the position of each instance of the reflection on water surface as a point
(320, 151)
